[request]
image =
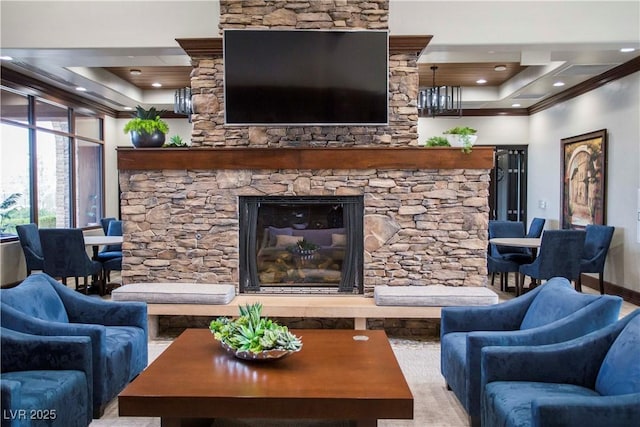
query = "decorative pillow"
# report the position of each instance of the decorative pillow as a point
(274, 231)
(338, 240)
(282, 241)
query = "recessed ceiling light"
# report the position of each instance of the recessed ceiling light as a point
(156, 84)
(128, 108)
(6, 58)
(135, 72)
(81, 89)
(515, 105)
(558, 84)
(481, 81)
(500, 67)
(627, 49)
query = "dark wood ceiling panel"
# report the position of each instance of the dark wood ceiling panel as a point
(466, 74)
(170, 77)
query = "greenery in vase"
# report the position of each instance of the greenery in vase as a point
(146, 121)
(302, 245)
(251, 332)
(464, 132)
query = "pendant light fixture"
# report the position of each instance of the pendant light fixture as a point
(440, 100)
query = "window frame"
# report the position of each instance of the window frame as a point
(34, 96)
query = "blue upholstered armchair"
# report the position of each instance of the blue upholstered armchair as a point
(551, 313)
(590, 381)
(118, 330)
(48, 379)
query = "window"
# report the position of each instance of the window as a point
(51, 165)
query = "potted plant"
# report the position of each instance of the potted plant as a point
(146, 128)
(461, 136)
(176, 141)
(438, 141)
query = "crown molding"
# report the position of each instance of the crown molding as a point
(615, 73)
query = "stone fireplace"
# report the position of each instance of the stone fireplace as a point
(306, 244)
(425, 211)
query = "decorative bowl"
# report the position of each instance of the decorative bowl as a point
(263, 355)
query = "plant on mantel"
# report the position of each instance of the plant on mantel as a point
(461, 136)
(146, 128)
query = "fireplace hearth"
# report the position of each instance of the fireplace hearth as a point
(301, 244)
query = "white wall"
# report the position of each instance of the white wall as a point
(139, 24)
(509, 130)
(614, 107)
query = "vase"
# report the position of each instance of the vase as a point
(456, 140)
(145, 140)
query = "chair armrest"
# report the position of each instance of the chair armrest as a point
(10, 397)
(575, 362)
(22, 352)
(18, 321)
(505, 316)
(592, 411)
(84, 309)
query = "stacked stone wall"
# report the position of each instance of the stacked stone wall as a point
(208, 78)
(421, 227)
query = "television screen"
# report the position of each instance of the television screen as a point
(299, 77)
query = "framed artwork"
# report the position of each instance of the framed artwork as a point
(583, 166)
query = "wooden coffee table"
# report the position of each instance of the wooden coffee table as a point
(333, 377)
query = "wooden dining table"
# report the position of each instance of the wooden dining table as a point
(97, 241)
(522, 242)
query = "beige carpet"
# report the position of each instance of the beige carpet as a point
(434, 406)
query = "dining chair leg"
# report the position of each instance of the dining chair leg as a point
(493, 279)
(601, 277)
(520, 285)
(579, 283)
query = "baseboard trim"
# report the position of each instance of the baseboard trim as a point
(609, 288)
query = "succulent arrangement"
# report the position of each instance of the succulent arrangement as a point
(176, 141)
(253, 333)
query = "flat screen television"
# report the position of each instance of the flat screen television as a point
(305, 77)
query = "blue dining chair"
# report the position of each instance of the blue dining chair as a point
(559, 256)
(112, 251)
(31, 247)
(65, 255)
(104, 222)
(596, 247)
(498, 229)
(535, 229)
(504, 259)
(504, 267)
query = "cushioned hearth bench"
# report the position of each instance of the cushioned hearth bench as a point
(199, 299)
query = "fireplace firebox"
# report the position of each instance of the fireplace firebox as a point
(301, 244)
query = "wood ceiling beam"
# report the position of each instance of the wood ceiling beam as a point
(212, 46)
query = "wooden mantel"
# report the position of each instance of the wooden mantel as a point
(304, 158)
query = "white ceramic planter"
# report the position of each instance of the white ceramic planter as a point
(458, 140)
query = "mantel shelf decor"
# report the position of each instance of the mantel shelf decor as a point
(304, 158)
